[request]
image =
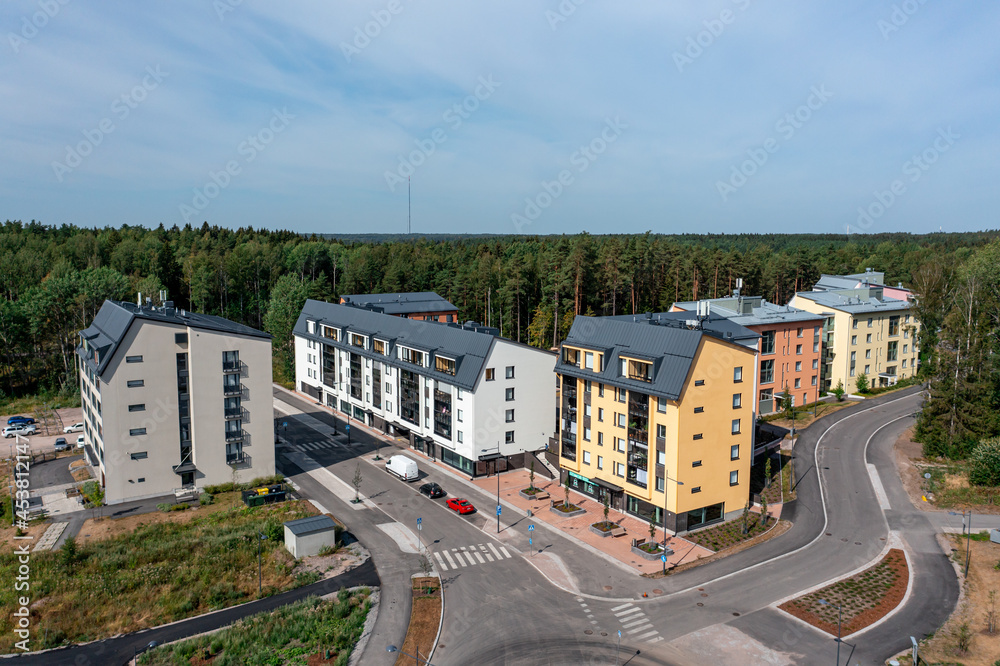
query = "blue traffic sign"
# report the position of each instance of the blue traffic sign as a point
(348, 426)
(531, 528)
(529, 541)
(663, 557)
(498, 509)
(284, 424)
(419, 520)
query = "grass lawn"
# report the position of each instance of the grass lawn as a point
(949, 486)
(300, 634)
(725, 535)
(865, 597)
(31, 403)
(158, 571)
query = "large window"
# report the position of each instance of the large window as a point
(445, 365)
(767, 371)
(767, 342)
(412, 356)
(409, 402)
(442, 413)
(704, 516)
(893, 351)
(894, 325)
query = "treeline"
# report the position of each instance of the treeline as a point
(53, 279)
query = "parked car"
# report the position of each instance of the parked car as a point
(20, 420)
(76, 427)
(403, 467)
(80, 441)
(432, 490)
(22, 429)
(61, 444)
(461, 505)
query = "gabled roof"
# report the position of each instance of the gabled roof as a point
(467, 344)
(414, 302)
(664, 337)
(114, 319)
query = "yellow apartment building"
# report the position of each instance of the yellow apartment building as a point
(658, 415)
(866, 332)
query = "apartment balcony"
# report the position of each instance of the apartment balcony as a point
(235, 435)
(237, 413)
(233, 389)
(238, 459)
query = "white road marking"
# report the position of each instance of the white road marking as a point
(883, 499)
(495, 551)
(656, 640)
(437, 556)
(458, 556)
(505, 553)
(486, 552)
(618, 608)
(645, 636)
(629, 611)
(479, 557)
(635, 631)
(632, 623)
(450, 561)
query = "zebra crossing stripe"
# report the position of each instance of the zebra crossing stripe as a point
(628, 612)
(495, 551)
(647, 635)
(479, 557)
(440, 560)
(505, 553)
(635, 631)
(618, 608)
(458, 556)
(633, 622)
(450, 561)
(486, 552)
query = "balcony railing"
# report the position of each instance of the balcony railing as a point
(239, 458)
(232, 389)
(235, 435)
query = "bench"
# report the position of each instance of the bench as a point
(540, 495)
(618, 531)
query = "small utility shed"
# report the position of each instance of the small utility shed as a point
(307, 536)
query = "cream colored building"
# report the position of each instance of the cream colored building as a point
(865, 332)
(174, 400)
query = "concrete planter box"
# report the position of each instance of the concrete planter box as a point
(565, 514)
(601, 533)
(540, 495)
(649, 556)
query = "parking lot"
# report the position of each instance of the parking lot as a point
(45, 443)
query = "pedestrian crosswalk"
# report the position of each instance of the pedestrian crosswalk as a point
(635, 624)
(470, 556)
(319, 445)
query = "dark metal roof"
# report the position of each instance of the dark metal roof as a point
(664, 337)
(311, 525)
(467, 346)
(414, 302)
(115, 318)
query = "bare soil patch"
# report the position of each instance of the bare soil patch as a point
(425, 617)
(778, 528)
(865, 597)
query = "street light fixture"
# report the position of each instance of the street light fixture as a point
(840, 613)
(416, 659)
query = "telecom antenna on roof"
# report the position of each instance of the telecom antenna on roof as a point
(703, 309)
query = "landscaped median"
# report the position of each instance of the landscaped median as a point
(855, 602)
(425, 618)
(141, 571)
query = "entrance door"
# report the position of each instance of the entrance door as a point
(187, 479)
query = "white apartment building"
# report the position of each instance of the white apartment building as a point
(174, 400)
(459, 393)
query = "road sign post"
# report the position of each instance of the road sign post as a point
(663, 558)
(531, 528)
(420, 527)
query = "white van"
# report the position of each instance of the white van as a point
(402, 467)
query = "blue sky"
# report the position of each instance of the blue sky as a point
(515, 116)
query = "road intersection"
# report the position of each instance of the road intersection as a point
(507, 611)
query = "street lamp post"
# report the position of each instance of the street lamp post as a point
(679, 483)
(496, 471)
(967, 532)
(416, 658)
(840, 613)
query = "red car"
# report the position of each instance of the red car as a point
(461, 505)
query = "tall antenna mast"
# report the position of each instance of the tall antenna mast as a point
(407, 205)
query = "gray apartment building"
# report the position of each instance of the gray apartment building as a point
(173, 400)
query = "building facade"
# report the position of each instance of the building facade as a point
(657, 415)
(174, 400)
(420, 305)
(457, 392)
(864, 332)
(790, 347)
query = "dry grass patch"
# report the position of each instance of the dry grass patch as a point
(425, 617)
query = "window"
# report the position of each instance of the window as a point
(620, 470)
(699, 410)
(737, 400)
(868, 338)
(510, 372)
(798, 383)
(661, 458)
(815, 347)
(699, 382)
(135, 383)
(600, 413)
(904, 362)
(892, 351)
(736, 426)
(460, 439)
(142, 479)
(698, 436)
(445, 365)
(141, 407)
(738, 374)
(767, 371)
(600, 390)
(180, 338)
(135, 432)
(814, 378)
(133, 359)
(458, 415)
(621, 420)
(661, 431)
(696, 489)
(696, 463)
(588, 360)
(490, 374)
(734, 478)
(867, 369)
(379, 347)
(798, 366)
(815, 363)
(459, 393)
(905, 348)
(868, 353)
(853, 356)
(586, 434)
(139, 455)
(894, 325)
(357, 340)
(661, 405)
(798, 349)
(734, 452)
(799, 333)
(586, 410)
(311, 326)
(509, 437)
(854, 324)
(600, 462)
(600, 438)
(659, 484)
(586, 457)
(767, 342)
(620, 445)
(586, 386)
(869, 322)
(509, 416)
